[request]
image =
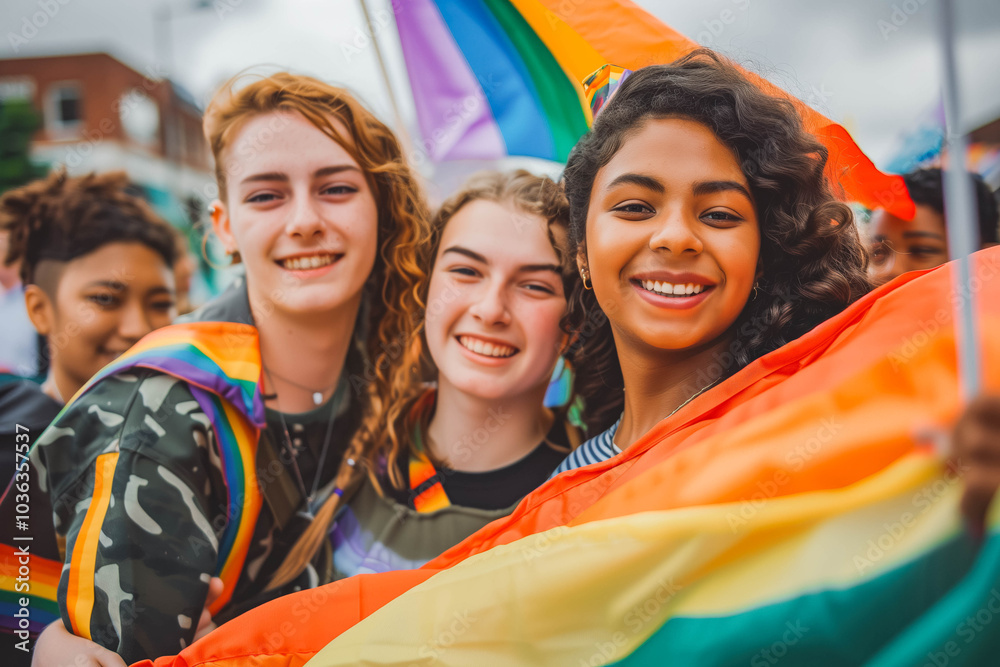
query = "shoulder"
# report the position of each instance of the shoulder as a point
(233, 305)
(599, 448)
(24, 402)
(141, 411)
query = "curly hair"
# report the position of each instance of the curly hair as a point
(393, 305)
(60, 218)
(926, 188)
(812, 262)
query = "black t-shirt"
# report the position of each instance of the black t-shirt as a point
(25, 411)
(500, 488)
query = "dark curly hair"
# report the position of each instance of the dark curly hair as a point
(812, 263)
(926, 188)
(61, 218)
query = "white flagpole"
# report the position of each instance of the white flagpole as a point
(960, 211)
(400, 125)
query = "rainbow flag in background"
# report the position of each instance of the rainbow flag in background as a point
(786, 515)
(493, 78)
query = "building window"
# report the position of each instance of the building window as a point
(16, 88)
(65, 107)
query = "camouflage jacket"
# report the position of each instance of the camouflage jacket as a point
(156, 547)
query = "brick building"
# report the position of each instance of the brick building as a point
(99, 114)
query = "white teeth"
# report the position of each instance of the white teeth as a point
(485, 348)
(671, 289)
(306, 263)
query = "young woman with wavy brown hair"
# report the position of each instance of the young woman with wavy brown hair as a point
(206, 453)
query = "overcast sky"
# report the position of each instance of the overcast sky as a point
(872, 65)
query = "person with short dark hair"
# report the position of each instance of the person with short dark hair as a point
(898, 245)
(96, 263)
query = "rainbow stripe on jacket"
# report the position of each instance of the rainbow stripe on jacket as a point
(220, 361)
(786, 516)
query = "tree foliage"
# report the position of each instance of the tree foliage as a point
(18, 122)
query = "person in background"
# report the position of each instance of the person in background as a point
(20, 345)
(898, 246)
(97, 268)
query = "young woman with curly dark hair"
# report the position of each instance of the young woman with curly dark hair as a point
(706, 236)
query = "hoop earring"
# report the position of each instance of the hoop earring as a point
(234, 256)
(754, 296)
(585, 278)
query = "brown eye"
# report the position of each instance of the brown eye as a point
(721, 218)
(879, 253)
(262, 198)
(105, 301)
(633, 210)
(339, 190)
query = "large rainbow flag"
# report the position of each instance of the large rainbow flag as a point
(492, 78)
(789, 514)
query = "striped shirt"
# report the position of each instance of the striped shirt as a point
(599, 448)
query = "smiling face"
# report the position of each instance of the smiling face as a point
(899, 245)
(104, 303)
(301, 214)
(672, 238)
(494, 303)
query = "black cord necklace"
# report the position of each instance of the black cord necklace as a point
(310, 495)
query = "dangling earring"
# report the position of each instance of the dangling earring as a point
(755, 285)
(585, 278)
(233, 255)
(560, 387)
